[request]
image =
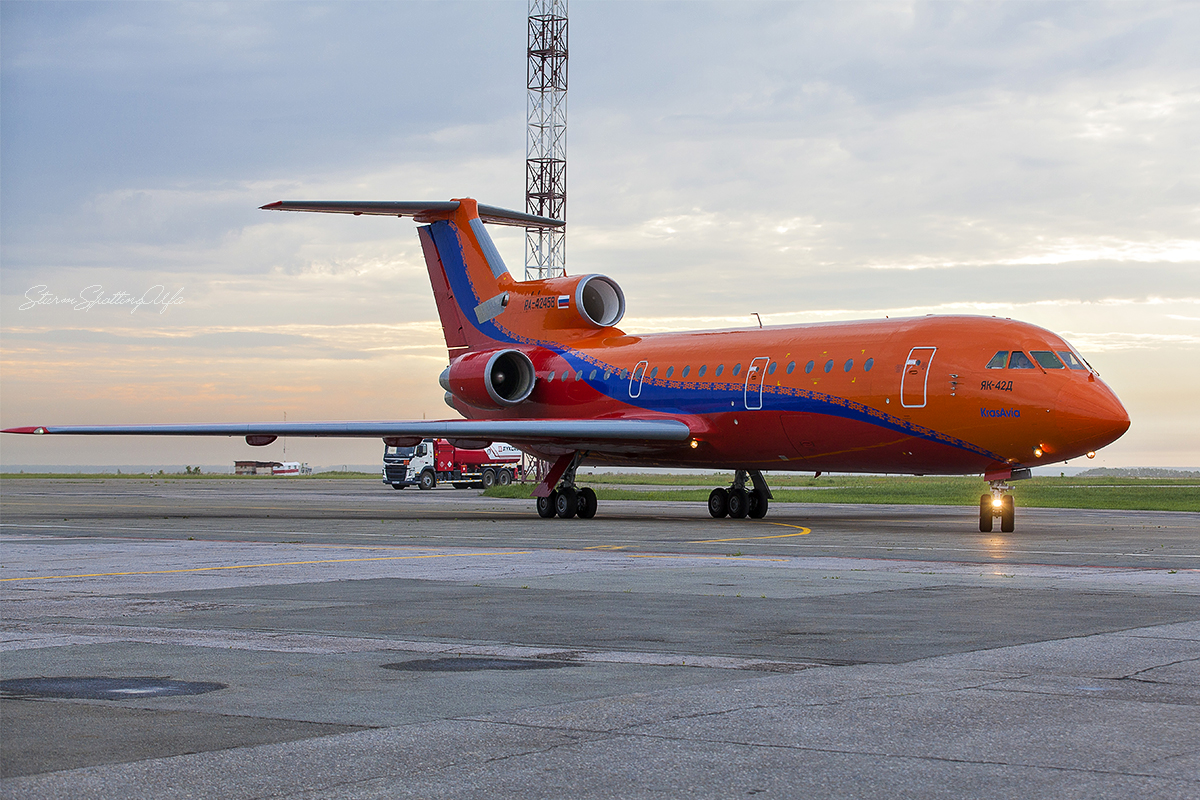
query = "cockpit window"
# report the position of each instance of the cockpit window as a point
(1047, 359)
(1070, 360)
(999, 360)
(1019, 360)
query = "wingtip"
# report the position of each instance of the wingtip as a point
(32, 429)
(269, 206)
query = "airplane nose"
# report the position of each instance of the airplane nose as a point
(1089, 415)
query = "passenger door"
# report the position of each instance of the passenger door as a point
(635, 380)
(754, 382)
(915, 377)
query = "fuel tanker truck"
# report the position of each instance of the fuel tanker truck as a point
(435, 461)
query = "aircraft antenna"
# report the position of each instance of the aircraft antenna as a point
(546, 145)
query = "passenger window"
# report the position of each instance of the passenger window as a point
(685, 372)
(771, 369)
(550, 377)
(809, 367)
(791, 367)
(703, 369)
(1047, 359)
(670, 371)
(592, 375)
(607, 374)
(829, 365)
(719, 370)
(849, 365)
(1019, 360)
(654, 373)
(867, 366)
(736, 369)
(998, 361)
(1071, 361)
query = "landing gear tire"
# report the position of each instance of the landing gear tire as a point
(1007, 514)
(758, 504)
(428, 480)
(504, 478)
(566, 503)
(587, 503)
(739, 503)
(985, 513)
(545, 506)
(489, 478)
(718, 503)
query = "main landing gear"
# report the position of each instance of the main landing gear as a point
(567, 500)
(737, 501)
(997, 504)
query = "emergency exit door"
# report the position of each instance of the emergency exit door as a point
(915, 378)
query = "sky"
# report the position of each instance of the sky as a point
(803, 161)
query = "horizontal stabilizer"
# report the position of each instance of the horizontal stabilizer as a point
(423, 211)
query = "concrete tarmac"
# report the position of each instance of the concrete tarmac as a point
(332, 638)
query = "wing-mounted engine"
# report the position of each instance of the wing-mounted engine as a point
(583, 302)
(490, 378)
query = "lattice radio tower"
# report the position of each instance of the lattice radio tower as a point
(546, 151)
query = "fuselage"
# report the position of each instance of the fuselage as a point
(911, 395)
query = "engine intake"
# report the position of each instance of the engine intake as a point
(491, 379)
(600, 300)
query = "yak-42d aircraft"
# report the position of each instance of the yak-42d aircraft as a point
(542, 365)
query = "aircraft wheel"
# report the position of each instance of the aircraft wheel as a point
(718, 503)
(545, 506)
(504, 478)
(739, 503)
(985, 513)
(428, 480)
(758, 504)
(587, 503)
(489, 478)
(1007, 514)
(566, 504)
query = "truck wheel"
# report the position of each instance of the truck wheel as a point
(428, 481)
(505, 477)
(489, 478)
(397, 485)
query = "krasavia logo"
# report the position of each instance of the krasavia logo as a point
(94, 296)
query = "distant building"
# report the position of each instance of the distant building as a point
(271, 468)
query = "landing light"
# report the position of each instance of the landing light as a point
(996, 502)
(1091, 454)
(1037, 451)
(693, 444)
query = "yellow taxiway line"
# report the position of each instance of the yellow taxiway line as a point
(803, 532)
(256, 566)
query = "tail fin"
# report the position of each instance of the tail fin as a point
(468, 276)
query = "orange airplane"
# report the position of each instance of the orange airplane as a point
(542, 365)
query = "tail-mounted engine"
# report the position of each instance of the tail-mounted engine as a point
(584, 302)
(490, 378)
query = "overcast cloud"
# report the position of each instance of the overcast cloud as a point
(806, 161)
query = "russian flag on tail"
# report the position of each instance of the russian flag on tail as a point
(564, 301)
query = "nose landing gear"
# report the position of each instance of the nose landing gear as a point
(737, 501)
(997, 504)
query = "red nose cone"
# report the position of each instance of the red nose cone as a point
(1089, 416)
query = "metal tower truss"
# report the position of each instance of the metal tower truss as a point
(546, 150)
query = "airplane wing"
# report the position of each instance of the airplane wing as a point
(582, 434)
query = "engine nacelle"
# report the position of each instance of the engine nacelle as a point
(587, 301)
(491, 378)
